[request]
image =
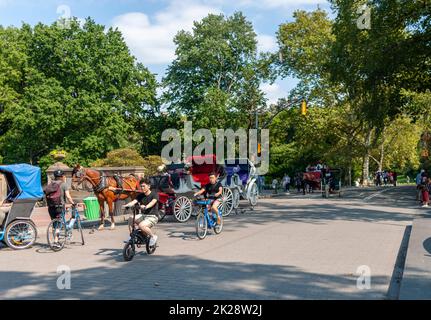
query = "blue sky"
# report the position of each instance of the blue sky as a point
(149, 25)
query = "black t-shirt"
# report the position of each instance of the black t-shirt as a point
(145, 200)
(212, 189)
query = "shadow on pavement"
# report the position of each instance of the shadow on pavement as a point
(186, 277)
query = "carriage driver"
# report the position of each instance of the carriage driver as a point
(150, 211)
(213, 190)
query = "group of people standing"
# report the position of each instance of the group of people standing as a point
(423, 187)
(386, 177)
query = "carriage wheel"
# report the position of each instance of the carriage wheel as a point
(253, 195)
(236, 197)
(20, 234)
(227, 203)
(182, 209)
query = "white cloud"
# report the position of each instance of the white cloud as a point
(151, 39)
(273, 92)
(266, 43)
(271, 4)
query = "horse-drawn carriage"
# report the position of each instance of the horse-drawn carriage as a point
(178, 184)
(17, 229)
(312, 180)
(241, 179)
(174, 190)
(327, 180)
(331, 182)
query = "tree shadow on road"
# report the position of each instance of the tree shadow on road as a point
(187, 277)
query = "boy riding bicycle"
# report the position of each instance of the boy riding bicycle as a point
(148, 201)
(213, 190)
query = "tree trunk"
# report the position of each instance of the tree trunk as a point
(366, 159)
(382, 156)
(349, 175)
(382, 151)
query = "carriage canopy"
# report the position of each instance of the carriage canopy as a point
(24, 181)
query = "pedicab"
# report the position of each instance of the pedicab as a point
(241, 178)
(24, 186)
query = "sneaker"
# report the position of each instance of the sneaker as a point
(424, 206)
(153, 241)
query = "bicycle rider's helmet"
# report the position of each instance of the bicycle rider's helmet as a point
(58, 173)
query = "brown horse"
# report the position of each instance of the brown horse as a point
(107, 189)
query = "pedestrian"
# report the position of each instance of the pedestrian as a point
(260, 183)
(275, 185)
(286, 182)
(425, 186)
(418, 184)
(298, 182)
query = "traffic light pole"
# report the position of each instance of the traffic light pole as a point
(282, 108)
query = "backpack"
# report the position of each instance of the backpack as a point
(53, 194)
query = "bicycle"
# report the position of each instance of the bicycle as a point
(137, 239)
(62, 230)
(204, 220)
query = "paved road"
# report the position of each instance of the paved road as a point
(290, 247)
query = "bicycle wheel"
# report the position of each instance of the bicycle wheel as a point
(20, 234)
(128, 251)
(201, 226)
(78, 223)
(56, 229)
(219, 227)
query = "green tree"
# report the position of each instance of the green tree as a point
(74, 88)
(215, 79)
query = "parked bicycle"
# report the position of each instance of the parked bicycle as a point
(137, 238)
(60, 230)
(205, 219)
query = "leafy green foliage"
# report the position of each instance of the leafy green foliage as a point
(77, 88)
(215, 79)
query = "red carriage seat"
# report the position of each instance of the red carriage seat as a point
(163, 197)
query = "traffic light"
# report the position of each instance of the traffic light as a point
(304, 107)
(259, 149)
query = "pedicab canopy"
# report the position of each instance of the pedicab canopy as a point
(24, 181)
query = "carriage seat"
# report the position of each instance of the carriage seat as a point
(244, 177)
(3, 214)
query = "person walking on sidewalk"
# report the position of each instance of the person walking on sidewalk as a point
(425, 188)
(418, 185)
(286, 183)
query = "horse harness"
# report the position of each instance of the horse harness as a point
(103, 184)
